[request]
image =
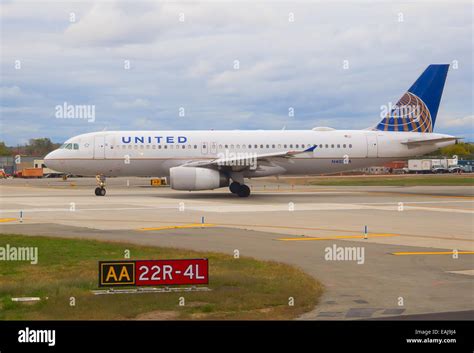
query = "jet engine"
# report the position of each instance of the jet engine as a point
(195, 178)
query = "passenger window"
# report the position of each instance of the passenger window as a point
(297, 146)
(159, 147)
(261, 146)
(141, 147)
(344, 145)
(284, 146)
(332, 146)
(320, 146)
(291, 146)
(338, 146)
(76, 146)
(153, 146)
(350, 146)
(195, 147)
(279, 145)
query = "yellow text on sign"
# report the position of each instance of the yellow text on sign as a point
(117, 273)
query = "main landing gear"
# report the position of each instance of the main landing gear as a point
(240, 189)
(100, 189)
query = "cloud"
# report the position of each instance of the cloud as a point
(190, 63)
(455, 122)
(136, 103)
(10, 92)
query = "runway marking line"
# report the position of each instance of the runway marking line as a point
(4, 220)
(192, 225)
(432, 253)
(420, 194)
(339, 237)
(441, 208)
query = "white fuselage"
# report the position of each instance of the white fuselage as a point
(153, 153)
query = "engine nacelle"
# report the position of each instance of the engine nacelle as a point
(195, 178)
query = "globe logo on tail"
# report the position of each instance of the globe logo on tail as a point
(409, 114)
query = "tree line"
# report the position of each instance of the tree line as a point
(38, 147)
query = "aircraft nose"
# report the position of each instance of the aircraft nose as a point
(49, 160)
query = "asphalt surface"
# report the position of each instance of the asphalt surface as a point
(417, 257)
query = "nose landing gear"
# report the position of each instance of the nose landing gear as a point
(100, 189)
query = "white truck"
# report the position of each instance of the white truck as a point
(419, 166)
(431, 165)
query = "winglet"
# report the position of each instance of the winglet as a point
(293, 153)
(311, 149)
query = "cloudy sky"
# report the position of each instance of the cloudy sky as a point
(226, 65)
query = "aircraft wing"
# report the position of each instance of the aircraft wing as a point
(430, 141)
(243, 160)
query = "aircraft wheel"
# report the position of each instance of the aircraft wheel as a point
(99, 191)
(244, 191)
(234, 187)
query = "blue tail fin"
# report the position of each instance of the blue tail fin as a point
(417, 109)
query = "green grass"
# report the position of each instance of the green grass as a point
(242, 288)
(400, 180)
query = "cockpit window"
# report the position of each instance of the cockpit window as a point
(70, 146)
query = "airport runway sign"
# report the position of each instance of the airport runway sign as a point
(153, 272)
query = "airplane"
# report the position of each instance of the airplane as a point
(206, 160)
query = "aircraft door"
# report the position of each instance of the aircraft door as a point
(372, 148)
(204, 147)
(99, 147)
(213, 147)
(110, 150)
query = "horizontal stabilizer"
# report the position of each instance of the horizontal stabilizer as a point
(430, 141)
